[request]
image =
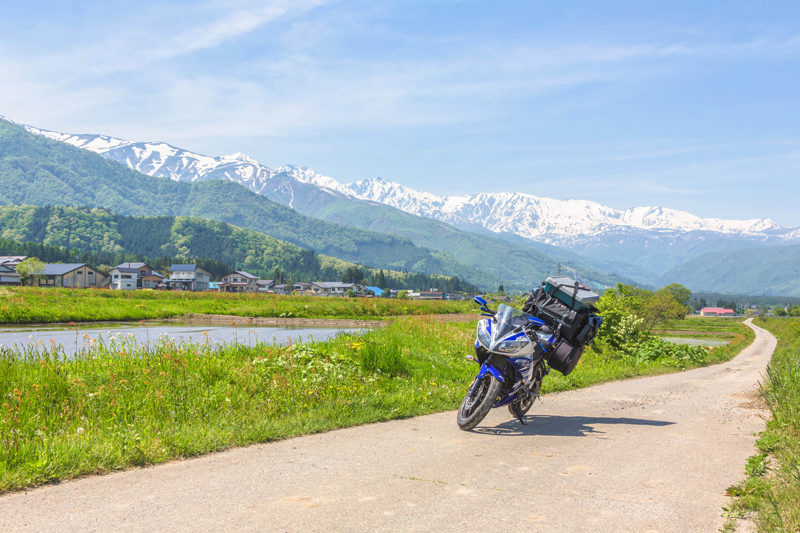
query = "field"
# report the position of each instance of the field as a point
(121, 405)
(700, 327)
(771, 491)
(47, 305)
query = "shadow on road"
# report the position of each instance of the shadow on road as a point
(563, 426)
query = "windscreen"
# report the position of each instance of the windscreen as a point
(506, 321)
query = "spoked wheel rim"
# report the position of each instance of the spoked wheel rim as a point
(526, 403)
(476, 396)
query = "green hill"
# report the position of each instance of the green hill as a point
(773, 270)
(35, 170)
(114, 238)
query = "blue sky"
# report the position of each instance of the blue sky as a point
(688, 105)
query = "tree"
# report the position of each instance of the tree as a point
(680, 293)
(30, 270)
(662, 307)
(501, 290)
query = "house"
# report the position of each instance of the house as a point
(431, 295)
(716, 311)
(238, 281)
(12, 261)
(153, 280)
(69, 275)
(377, 291)
(123, 278)
(265, 285)
(280, 288)
(335, 288)
(188, 277)
(132, 276)
(8, 275)
(301, 287)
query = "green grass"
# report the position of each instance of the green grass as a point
(28, 305)
(771, 492)
(119, 405)
(707, 325)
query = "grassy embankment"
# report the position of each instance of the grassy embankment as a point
(771, 491)
(120, 405)
(29, 305)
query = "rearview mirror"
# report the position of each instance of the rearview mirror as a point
(479, 300)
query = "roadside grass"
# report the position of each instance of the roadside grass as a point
(118, 404)
(771, 491)
(20, 305)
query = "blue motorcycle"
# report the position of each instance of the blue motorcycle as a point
(510, 347)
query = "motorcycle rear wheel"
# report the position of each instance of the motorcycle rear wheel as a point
(479, 400)
(536, 385)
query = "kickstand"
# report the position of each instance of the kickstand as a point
(515, 408)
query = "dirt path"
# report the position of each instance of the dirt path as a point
(652, 454)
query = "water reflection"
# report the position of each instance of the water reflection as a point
(79, 337)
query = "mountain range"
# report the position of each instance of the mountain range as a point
(645, 244)
(35, 170)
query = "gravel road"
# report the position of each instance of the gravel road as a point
(651, 454)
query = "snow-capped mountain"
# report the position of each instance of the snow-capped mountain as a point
(560, 222)
(549, 220)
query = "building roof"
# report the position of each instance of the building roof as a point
(59, 269)
(242, 273)
(266, 282)
(126, 270)
(333, 285)
(718, 310)
(135, 266)
(12, 258)
(6, 269)
(377, 291)
(183, 268)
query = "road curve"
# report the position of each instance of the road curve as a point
(650, 454)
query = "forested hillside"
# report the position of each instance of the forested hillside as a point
(38, 171)
(773, 270)
(98, 236)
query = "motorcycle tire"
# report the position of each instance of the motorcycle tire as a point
(479, 400)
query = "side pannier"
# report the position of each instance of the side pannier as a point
(568, 308)
(566, 322)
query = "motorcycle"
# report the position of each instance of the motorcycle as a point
(510, 347)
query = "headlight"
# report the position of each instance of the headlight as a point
(511, 346)
(483, 335)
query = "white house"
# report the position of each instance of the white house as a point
(188, 277)
(132, 276)
(335, 288)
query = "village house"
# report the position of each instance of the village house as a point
(11, 261)
(8, 275)
(716, 311)
(430, 295)
(69, 275)
(188, 277)
(238, 281)
(335, 288)
(265, 285)
(132, 276)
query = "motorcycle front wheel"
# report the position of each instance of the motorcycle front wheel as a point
(479, 399)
